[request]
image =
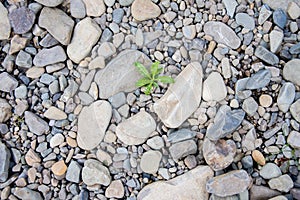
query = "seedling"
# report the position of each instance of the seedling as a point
(150, 79)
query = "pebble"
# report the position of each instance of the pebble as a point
(181, 104)
(36, 124)
(291, 71)
(97, 63)
(265, 55)
(295, 49)
(219, 31)
(57, 23)
(279, 18)
(4, 162)
(21, 20)
(5, 24)
(269, 171)
(81, 45)
(26, 194)
(294, 139)
(117, 100)
(265, 100)
(5, 110)
(150, 161)
(73, 172)
(7, 82)
(32, 157)
(56, 140)
(94, 8)
(264, 14)
(122, 66)
(181, 135)
(24, 60)
(247, 162)
(220, 154)
(115, 190)
(214, 88)
(189, 31)
(190, 185)
(155, 143)
(259, 80)
(282, 183)
(230, 6)
(137, 129)
(77, 9)
(182, 149)
(50, 3)
(106, 49)
(293, 10)
(295, 110)
(286, 96)
(86, 83)
(49, 56)
(276, 37)
(94, 172)
(250, 106)
(118, 15)
(258, 157)
(245, 20)
(144, 9)
(59, 168)
(262, 192)
(239, 181)
(125, 2)
(92, 124)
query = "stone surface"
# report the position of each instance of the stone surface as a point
(56, 140)
(262, 192)
(190, 185)
(282, 183)
(286, 96)
(50, 3)
(294, 139)
(36, 124)
(220, 154)
(293, 10)
(106, 49)
(248, 142)
(291, 71)
(4, 162)
(183, 149)
(5, 110)
(32, 157)
(27, 194)
(295, 110)
(81, 45)
(144, 9)
(269, 171)
(189, 32)
(250, 106)
(245, 20)
(181, 135)
(77, 9)
(259, 80)
(258, 157)
(264, 14)
(230, 6)
(59, 168)
(94, 8)
(21, 19)
(115, 190)
(73, 172)
(265, 55)
(57, 23)
(276, 37)
(24, 60)
(4, 23)
(94, 172)
(150, 161)
(239, 181)
(92, 124)
(279, 18)
(182, 98)
(222, 34)
(49, 56)
(136, 129)
(122, 67)
(55, 113)
(7, 82)
(17, 43)
(225, 122)
(265, 100)
(214, 88)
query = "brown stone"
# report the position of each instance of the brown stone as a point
(32, 157)
(59, 168)
(258, 157)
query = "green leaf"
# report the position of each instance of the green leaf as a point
(154, 69)
(142, 69)
(143, 82)
(165, 79)
(155, 84)
(148, 89)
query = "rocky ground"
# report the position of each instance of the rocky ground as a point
(73, 125)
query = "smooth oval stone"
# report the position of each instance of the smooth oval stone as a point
(144, 9)
(286, 96)
(222, 34)
(266, 55)
(49, 56)
(26, 193)
(182, 98)
(282, 183)
(291, 71)
(269, 171)
(4, 21)
(21, 20)
(92, 124)
(36, 124)
(120, 74)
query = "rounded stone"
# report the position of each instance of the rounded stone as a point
(150, 161)
(59, 168)
(258, 157)
(291, 71)
(94, 172)
(265, 100)
(56, 140)
(5, 110)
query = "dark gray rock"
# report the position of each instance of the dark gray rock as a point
(4, 162)
(259, 80)
(247, 162)
(280, 18)
(21, 19)
(266, 55)
(262, 192)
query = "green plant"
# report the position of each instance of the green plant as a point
(150, 79)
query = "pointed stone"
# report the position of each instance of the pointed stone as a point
(230, 6)
(265, 55)
(214, 88)
(55, 113)
(264, 14)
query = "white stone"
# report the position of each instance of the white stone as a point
(276, 37)
(291, 71)
(214, 88)
(94, 8)
(293, 10)
(56, 140)
(94, 172)
(55, 113)
(144, 9)
(150, 161)
(230, 6)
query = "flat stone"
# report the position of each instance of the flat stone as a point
(265, 100)
(56, 140)
(183, 149)
(24, 60)
(222, 33)
(137, 129)
(50, 3)
(295, 49)
(5, 110)
(259, 80)
(214, 88)
(7, 82)
(265, 55)
(248, 142)
(294, 139)
(92, 124)
(144, 9)
(57, 23)
(21, 19)
(94, 172)
(49, 56)
(182, 98)
(230, 6)
(73, 172)
(81, 45)
(156, 142)
(35, 72)
(181, 135)
(264, 14)
(27, 194)
(106, 49)
(117, 100)
(36, 124)
(276, 37)
(115, 190)
(122, 67)
(245, 20)
(280, 18)
(226, 121)
(47, 79)
(189, 32)
(86, 83)
(220, 154)
(4, 162)
(239, 182)
(94, 8)
(118, 15)
(48, 41)
(77, 9)
(150, 161)
(17, 43)
(4, 21)
(269, 171)
(32, 157)
(70, 91)
(190, 185)
(282, 183)
(262, 192)
(97, 63)
(250, 106)
(295, 110)
(293, 10)
(291, 71)
(286, 96)
(59, 168)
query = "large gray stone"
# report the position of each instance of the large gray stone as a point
(21, 19)
(269, 171)
(262, 192)
(4, 162)
(49, 56)
(282, 183)
(92, 124)
(7, 82)
(183, 149)
(36, 124)
(230, 6)
(245, 20)
(81, 45)
(73, 172)
(120, 74)
(27, 194)
(94, 172)
(286, 96)
(94, 8)
(294, 139)
(182, 98)
(266, 55)
(291, 71)
(190, 185)
(222, 34)
(4, 23)
(5, 110)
